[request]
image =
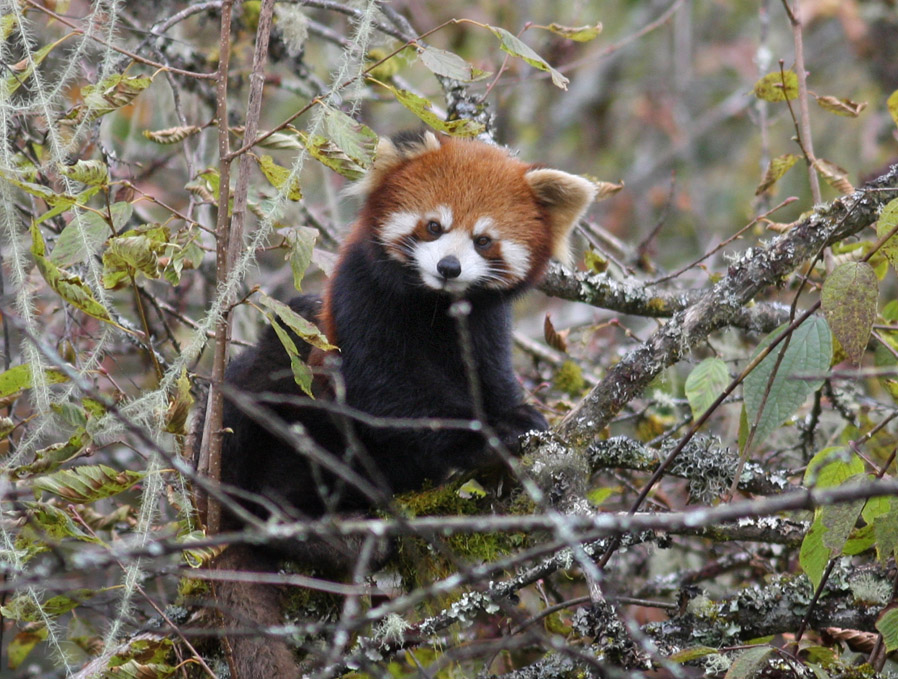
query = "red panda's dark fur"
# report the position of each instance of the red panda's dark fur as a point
(399, 350)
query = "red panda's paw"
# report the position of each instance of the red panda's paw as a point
(517, 422)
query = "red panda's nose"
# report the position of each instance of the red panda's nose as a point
(449, 267)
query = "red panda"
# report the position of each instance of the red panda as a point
(443, 219)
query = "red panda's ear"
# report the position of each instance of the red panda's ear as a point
(566, 197)
(389, 156)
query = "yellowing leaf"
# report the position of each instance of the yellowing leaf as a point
(23, 643)
(277, 176)
(576, 33)
(18, 378)
(110, 94)
(424, 111)
(842, 107)
(849, 299)
(86, 171)
(171, 135)
(777, 86)
(892, 105)
(87, 483)
(302, 327)
(888, 220)
(775, 170)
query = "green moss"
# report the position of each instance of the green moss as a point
(569, 379)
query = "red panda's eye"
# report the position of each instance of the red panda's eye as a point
(483, 241)
(433, 228)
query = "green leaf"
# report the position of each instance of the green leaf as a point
(814, 555)
(775, 170)
(300, 243)
(885, 529)
(576, 33)
(888, 627)
(849, 300)
(892, 105)
(87, 483)
(514, 46)
(278, 176)
(18, 378)
(777, 86)
(75, 245)
(23, 643)
(304, 328)
(56, 524)
(179, 406)
(53, 456)
(302, 374)
(67, 285)
(197, 557)
(424, 111)
(888, 220)
(25, 609)
(809, 353)
(449, 64)
(749, 663)
(832, 467)
(705, 383)
(86, 171)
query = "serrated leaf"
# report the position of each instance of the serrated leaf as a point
(111, 94)
(842, 107)
(517, 48)
(355, 139)
(278, 176)
(303, 327)
(424, 111)
(892, 106)
(86, 171)
(809, 353)
(67, 285)
(848, 300)
(705, 383)
(19, 378)
(693, 653)
(53, 456)
(449, 64)
(300, 243)
(749, 663)
(87, 483)
(23, 643)
(888, 220)
(839, 520)
(777, 86)
(133, 669)
(832, 467)
(887, 625)
(576, 33)
(56, 524)
(171, 135)
(83, 237)
(557, 339)
(775, 170)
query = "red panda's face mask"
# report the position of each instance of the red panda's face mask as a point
(466, 215)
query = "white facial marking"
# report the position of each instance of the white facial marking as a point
(517, 258)
(445, 216)
(482, 226)
(459, 244)
(398, 225)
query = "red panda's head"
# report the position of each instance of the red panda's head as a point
(467, 215)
